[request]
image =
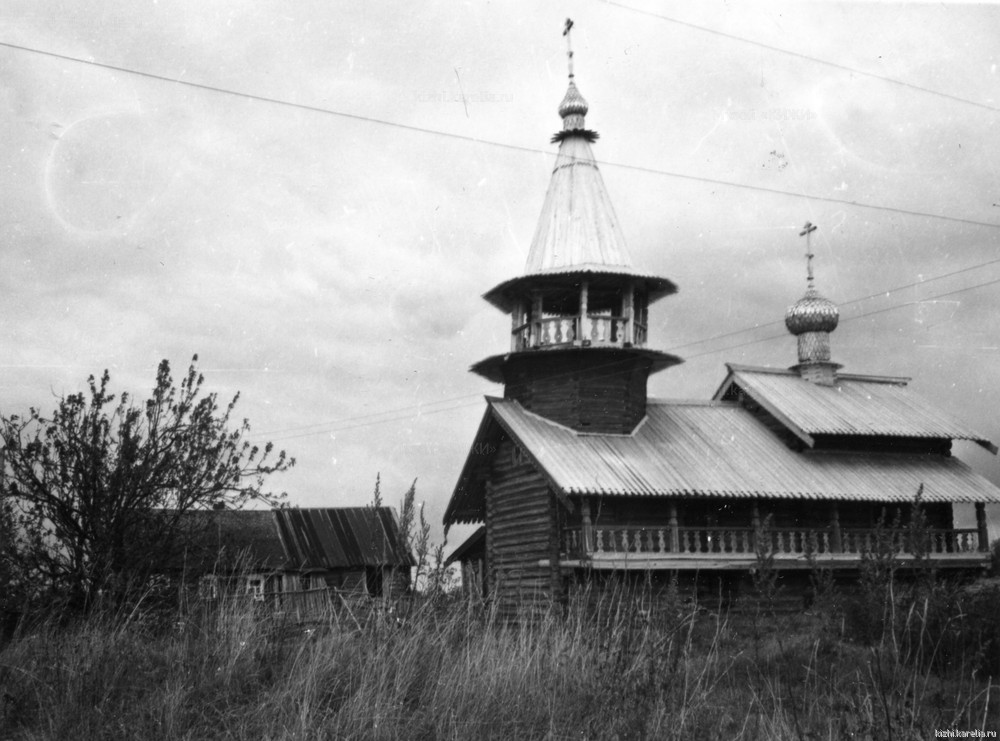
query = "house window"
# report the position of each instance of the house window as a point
(208, 587)
(255, 588)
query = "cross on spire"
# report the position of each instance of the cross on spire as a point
(569, 45)
(807, 230)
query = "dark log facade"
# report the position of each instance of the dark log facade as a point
(521, 534)
(588, 390)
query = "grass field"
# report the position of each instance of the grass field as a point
(896, 668)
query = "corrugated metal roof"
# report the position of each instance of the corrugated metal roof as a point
(578, 226)
(720, 449)
(341, 537)
(854, 405)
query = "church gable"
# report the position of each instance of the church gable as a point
(854, 412)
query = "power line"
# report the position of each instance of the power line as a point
(877, 294)
(850, 318)
(487, 142)
(333, 427)
(799, 55)
(400, 418)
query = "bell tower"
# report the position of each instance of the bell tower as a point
(579, 313)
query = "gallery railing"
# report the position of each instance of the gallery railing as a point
(598, 329)
(782, 542)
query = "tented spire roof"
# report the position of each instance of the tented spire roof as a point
(578, 228)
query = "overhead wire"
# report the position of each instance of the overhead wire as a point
(800, 55)
(489, 142)
(333, 426)
(368, 419)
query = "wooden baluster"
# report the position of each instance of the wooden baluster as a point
(659, 541)
(599, 546)
(675, 544)
(745, 537)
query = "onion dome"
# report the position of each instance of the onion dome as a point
(573, 103)
(812, 313)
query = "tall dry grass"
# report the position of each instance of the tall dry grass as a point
(449, 669)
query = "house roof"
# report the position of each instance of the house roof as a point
(300, 539)
(341, 537)
(706, 449)
(873, 406)
(218, 539)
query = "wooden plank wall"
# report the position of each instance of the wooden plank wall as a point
(520, 525)
(586, 390)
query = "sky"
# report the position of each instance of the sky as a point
(324, 256)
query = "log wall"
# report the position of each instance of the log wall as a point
(521, 526)
(585, 389)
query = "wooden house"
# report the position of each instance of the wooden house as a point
(575, 473)
(272, 552)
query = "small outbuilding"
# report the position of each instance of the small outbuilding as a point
(352, 549)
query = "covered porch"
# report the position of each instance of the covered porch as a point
(677, 542)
